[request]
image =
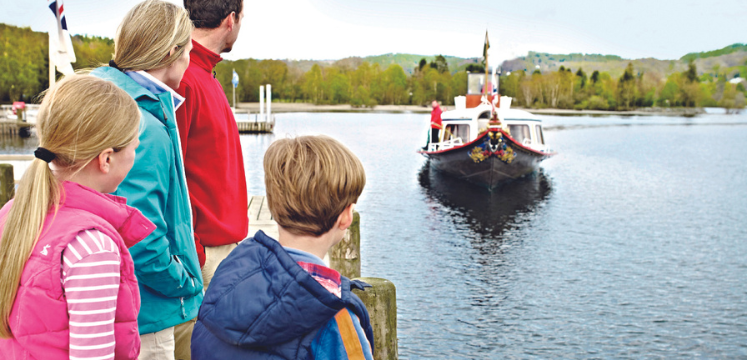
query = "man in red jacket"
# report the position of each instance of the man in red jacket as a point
(213, 161)
(436, 124)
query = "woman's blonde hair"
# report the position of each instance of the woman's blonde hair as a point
(309, 181)
(148, 33)
(80, 117)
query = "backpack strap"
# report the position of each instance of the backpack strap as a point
(349, 335)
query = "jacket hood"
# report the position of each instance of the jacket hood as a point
(261, 297)
(146, 100)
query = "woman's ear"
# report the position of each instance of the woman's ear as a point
(103, 161)
(170, 54)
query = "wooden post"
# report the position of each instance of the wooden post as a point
(345, 256)
(381, 303)
(7, 183)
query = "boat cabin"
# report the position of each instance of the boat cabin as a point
(463, 125)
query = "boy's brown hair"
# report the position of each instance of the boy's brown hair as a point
(310, 180)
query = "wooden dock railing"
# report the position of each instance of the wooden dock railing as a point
(7, 183)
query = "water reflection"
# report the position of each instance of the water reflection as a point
(489, 214)
(14, 144)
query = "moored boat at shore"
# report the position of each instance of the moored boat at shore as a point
(486, 145)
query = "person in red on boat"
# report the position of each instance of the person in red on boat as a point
(436, 124)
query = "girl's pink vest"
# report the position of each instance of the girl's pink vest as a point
(39, 319)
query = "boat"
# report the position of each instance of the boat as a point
(488, 145)
(483, 140)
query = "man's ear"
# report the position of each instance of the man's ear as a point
(346, 218)
(230, 20)
(103, 161)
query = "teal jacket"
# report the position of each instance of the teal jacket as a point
(166, 264)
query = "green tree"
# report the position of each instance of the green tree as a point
(430, 82)
(361, 81)
(581, 75)
(422, 64)
(92, 51)
(23, 63)
(394, 85)
(692, 72)
(459, 83)
(440, 64)
(626, 88)
(476, 68)
(313, 87)
(339, 86)
(670, 93)
(274, 72)
(729, 98)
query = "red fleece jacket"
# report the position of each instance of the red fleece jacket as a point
(436, 118)
(213, 161)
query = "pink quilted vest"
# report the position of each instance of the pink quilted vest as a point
(39, 319)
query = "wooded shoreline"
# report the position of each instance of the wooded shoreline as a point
(281, 107)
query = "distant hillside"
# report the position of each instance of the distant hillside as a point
(725, 51)
(408, 62)
(730, 60)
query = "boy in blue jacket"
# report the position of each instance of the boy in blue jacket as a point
(276, 299)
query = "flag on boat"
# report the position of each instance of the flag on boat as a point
(235, 79)
(486, 47)
(60, 45)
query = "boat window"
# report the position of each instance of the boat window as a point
(485, 115)
(538, 131)
(454, 131)
(520, 133)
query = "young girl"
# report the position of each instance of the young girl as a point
(67, 286)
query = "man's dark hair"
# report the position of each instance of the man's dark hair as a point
(208, 14)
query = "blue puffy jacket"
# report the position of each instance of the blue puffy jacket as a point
(166, 264)
(262, 305)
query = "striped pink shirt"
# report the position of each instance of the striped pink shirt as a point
(90, 278)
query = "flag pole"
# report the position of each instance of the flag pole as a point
(60, 42)
(487, 47)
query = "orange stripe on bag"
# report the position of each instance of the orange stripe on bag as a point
(349, 335)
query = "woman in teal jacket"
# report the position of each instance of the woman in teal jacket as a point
(166, 263)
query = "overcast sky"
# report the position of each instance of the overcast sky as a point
(334, 29)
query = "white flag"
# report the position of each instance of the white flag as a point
(60, 45)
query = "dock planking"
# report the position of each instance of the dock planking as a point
(260, 217)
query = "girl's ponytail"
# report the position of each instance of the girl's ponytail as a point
(37, 192)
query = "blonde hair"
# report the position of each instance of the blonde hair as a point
(310, 180)
(147, 34)
(80, 117)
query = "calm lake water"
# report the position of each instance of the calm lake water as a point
(630, 243)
